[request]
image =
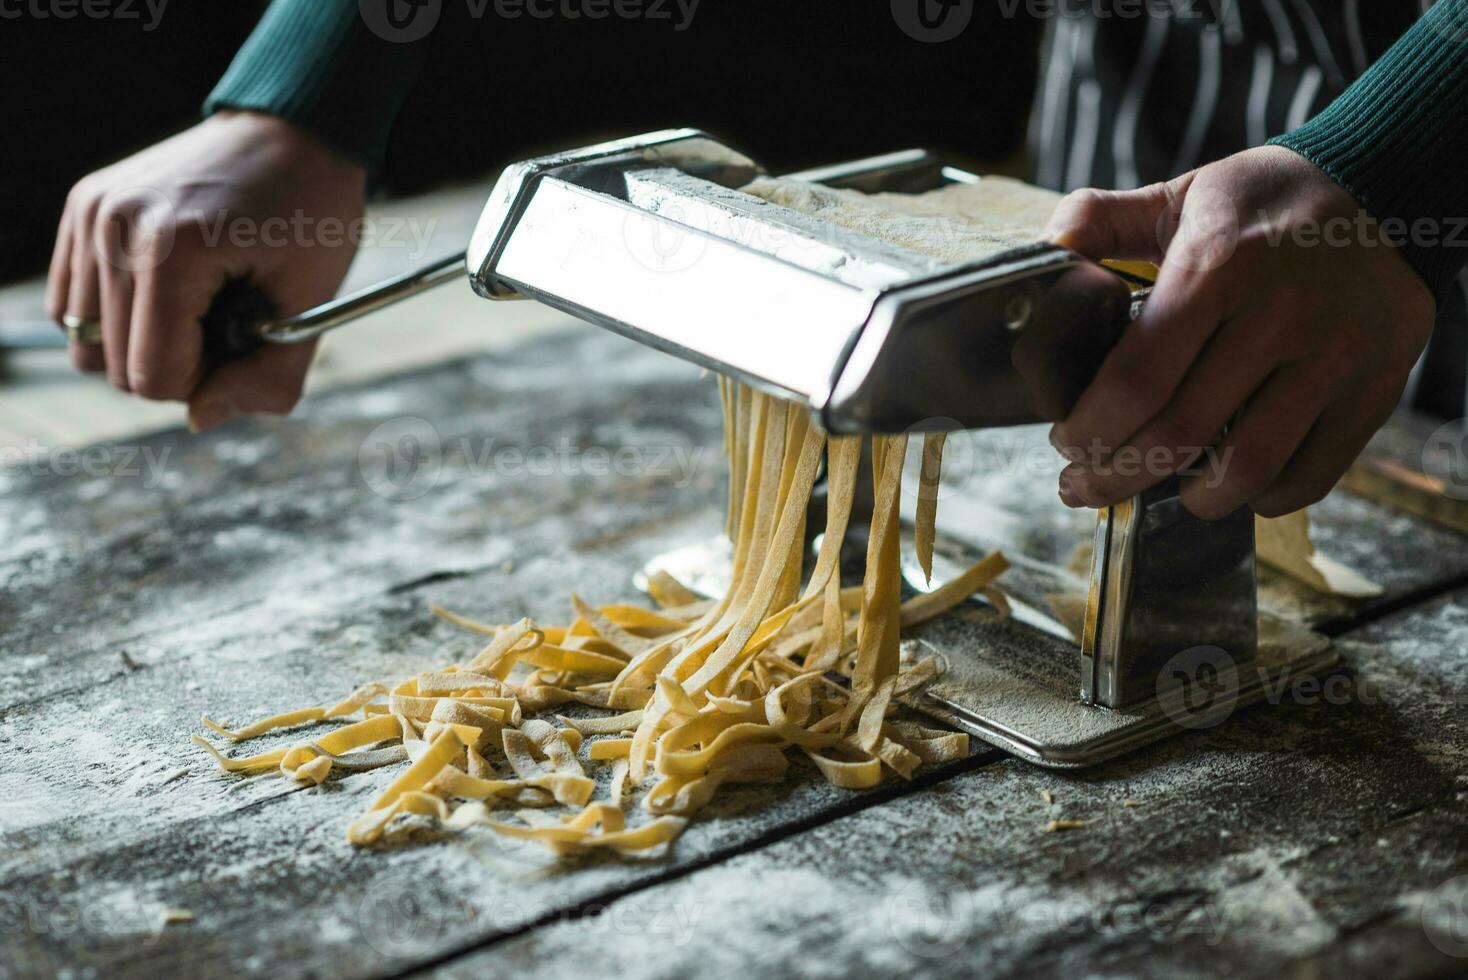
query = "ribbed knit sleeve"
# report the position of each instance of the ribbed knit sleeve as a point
(1397, 139)
(321, 65)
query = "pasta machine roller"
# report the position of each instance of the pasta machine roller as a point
(650, 237)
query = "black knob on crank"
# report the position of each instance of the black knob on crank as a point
(232, 322)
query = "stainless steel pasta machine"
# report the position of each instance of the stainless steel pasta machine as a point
(650, 237)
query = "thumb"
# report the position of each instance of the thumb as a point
(1117, 224)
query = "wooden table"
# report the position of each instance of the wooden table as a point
(276, 563)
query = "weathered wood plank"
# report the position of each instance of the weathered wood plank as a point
(1302, 840)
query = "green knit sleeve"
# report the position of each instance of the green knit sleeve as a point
(332, 67)
(1397, 139)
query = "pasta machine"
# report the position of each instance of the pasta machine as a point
(651, 238)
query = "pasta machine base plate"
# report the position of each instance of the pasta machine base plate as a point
(1012, 682)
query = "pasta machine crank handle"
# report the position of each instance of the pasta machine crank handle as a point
(243, 317)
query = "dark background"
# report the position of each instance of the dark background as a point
(793, 82)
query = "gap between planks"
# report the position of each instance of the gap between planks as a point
(596, 904)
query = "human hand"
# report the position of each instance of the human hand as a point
(144, 245)
(1280, 312)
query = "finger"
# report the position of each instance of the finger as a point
(58, 277)
(84, 300)
(1332, 445)
(1258, 447)
(269, 381)
(1225, 376)
(164, 357)
(1115, 224)
(1141, 374)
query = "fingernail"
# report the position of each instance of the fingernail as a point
(1070, 493)
(208, 414)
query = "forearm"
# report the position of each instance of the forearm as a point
(1397, 140)
(318, 65)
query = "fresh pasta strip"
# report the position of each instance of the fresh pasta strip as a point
(924, 525)
(668, 592)
(627, 721)
(1284, 543)
(304, 716)
(976, 577)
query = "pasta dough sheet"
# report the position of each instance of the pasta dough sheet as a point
(956, 223)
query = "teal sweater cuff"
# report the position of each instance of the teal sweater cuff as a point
(1397, 140)
(319, 65)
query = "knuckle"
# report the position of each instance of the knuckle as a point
(1083, 206)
